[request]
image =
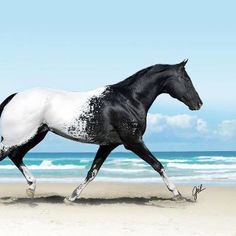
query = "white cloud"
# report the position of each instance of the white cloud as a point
(156, 122)
(182, 121)
(227, 129)
(189, 126)
(201, 126)
(159, 122)
(154, 118)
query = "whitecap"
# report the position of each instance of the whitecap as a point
(46, 165)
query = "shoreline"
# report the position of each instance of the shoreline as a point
(111, 188)
(101, 180)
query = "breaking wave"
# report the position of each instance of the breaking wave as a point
(46, 165)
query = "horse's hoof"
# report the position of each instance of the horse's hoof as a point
(69, 200)
(179, 198)
(30, 192)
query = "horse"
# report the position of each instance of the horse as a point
(109, 116)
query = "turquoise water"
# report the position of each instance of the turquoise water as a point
(212, 168)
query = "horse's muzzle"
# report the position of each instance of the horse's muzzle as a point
(196, 107)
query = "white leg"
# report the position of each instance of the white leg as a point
(169, 184)
(30, 180)
(26, 173)
(76, 193)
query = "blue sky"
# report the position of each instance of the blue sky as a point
(79, 45)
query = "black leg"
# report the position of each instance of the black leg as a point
(18, 154)
(142, 151)
(100, 157)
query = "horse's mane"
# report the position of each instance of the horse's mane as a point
(153, 69)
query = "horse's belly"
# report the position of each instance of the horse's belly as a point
(73, 129)
(83, 127)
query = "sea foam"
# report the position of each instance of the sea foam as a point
(46, 165)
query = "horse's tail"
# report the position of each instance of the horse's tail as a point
(5, 102)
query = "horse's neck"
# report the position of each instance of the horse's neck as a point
(145, 89)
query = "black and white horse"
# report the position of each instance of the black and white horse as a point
(108, 116)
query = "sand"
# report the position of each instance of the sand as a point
(116, 209)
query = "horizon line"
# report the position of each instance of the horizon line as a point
(132, 152)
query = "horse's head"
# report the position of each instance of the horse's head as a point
(180, 86)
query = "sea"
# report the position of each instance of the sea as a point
(208, 168)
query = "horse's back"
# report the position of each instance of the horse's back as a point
(26, 105)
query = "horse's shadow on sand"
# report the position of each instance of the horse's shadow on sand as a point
(57, 199)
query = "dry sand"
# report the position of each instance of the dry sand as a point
(116, 209)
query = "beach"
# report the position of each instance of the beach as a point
(108, 208)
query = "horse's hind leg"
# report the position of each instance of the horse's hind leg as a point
(18, 154)
(28, 176)
(100, 157)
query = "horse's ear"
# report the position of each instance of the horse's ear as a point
(183, 63)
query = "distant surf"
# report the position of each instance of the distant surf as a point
(211, 168)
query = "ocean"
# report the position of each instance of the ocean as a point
(208, 168)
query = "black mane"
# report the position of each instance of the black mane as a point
(151, 69)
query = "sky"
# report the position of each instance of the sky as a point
(82, 45)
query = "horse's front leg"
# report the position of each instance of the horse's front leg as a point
(100, 157)
(142, 151)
